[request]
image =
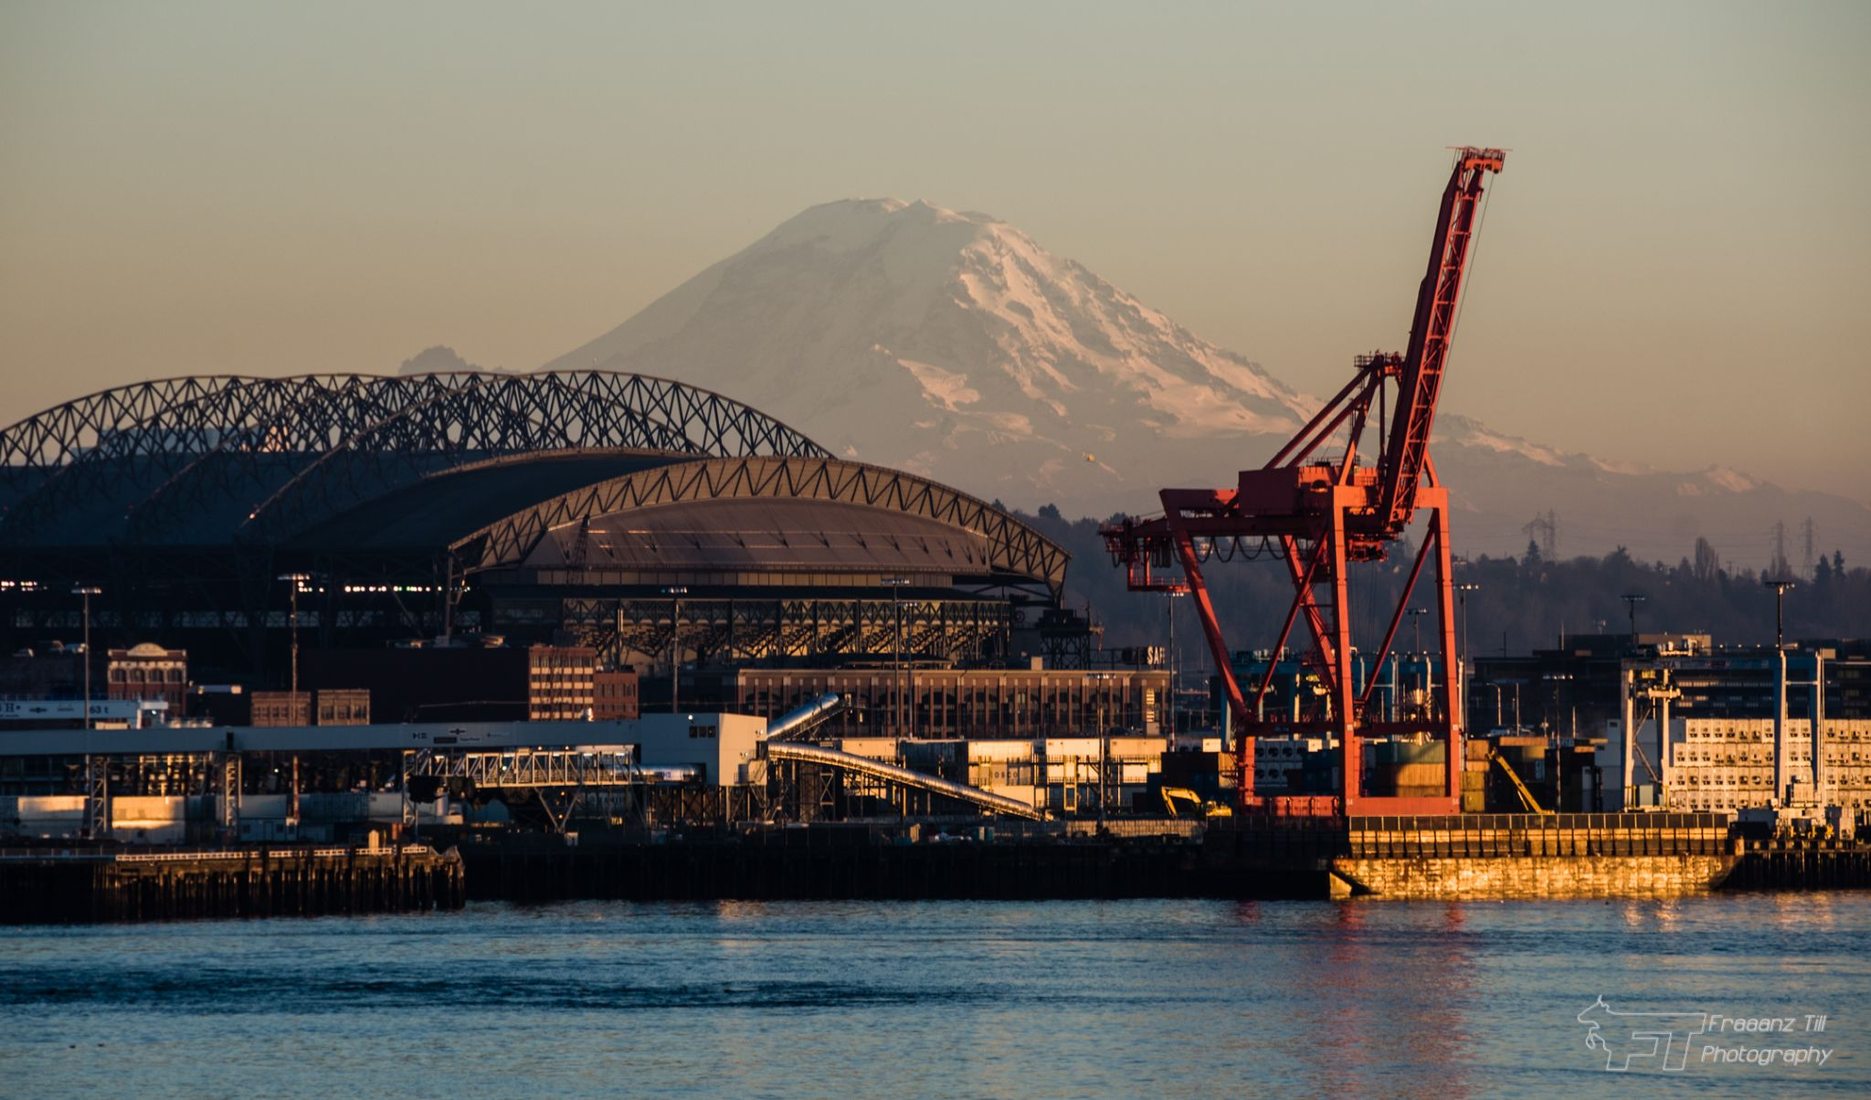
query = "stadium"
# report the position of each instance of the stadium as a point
(647, 519)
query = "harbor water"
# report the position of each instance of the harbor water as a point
(963, 999)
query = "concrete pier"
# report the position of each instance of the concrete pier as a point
(1482, 856)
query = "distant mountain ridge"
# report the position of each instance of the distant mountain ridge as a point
(954, 345)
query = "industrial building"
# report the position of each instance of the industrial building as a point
(1719, 764)
(1574, 686)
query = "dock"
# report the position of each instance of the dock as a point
(91, 885)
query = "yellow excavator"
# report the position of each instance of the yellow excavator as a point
(1526, 796)
(1197, 805)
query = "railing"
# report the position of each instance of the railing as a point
(581, 767)
(1491, 835)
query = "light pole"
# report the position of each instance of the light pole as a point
(293, 581)
(675, 592)
(1461, 594)
(1780, 586)
(1416, 640)
(1097, 680)
(87, 591)
(1631, 600)
(91, 810)
(1169, 596)
(895, 585)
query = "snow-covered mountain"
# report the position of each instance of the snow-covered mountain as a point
(953, 345)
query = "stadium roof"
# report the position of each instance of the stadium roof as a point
(616, 475)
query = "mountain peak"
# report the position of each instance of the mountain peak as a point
(439, 359)
(915, 335)
(954, 345)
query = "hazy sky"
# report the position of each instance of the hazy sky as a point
(1675, 267)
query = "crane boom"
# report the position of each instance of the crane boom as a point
(1431, 329)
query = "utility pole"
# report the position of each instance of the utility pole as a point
(675, 592)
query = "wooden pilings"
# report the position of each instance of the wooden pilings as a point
(1797, 865)
(37, 887)
(828, 865)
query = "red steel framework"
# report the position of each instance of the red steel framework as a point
(1323, 514)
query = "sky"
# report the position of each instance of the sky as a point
(1675, 267)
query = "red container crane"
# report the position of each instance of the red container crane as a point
(1321, 513)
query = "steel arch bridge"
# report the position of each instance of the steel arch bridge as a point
(295, 450)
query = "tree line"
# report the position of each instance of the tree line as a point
(1520, 604)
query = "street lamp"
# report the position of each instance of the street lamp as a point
(675, 592)
(895, 585)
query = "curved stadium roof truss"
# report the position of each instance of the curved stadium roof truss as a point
(295, 450)
(1015, 549)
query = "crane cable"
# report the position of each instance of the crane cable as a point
(1236, 549)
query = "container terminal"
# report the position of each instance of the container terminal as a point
(377, 642)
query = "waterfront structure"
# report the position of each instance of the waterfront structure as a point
(170, 783)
